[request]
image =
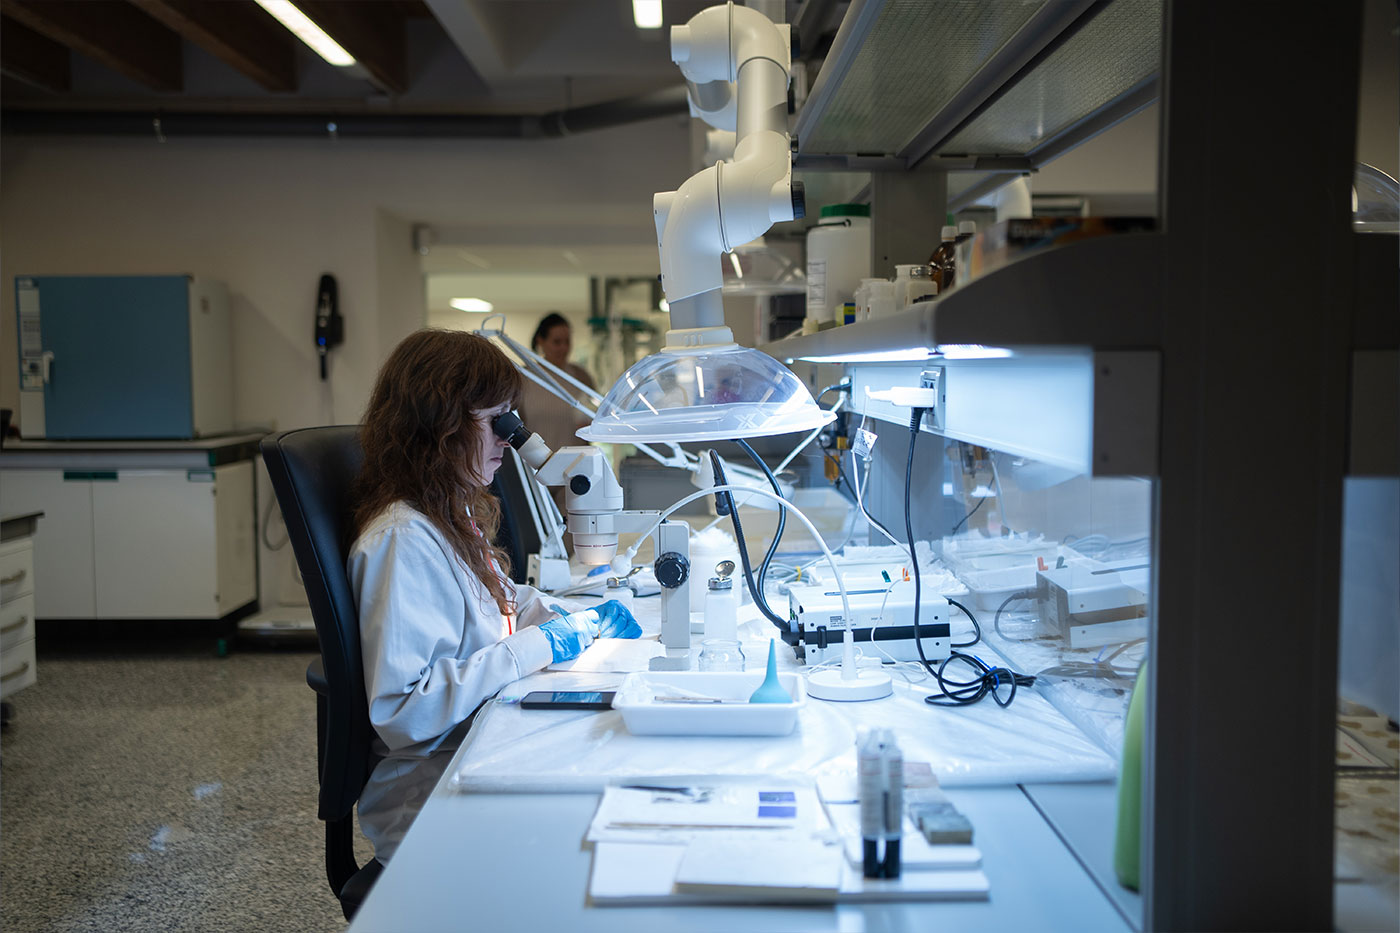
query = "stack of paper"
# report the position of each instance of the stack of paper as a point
(752, 841)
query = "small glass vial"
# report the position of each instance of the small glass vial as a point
(722, 610)
(720, 654)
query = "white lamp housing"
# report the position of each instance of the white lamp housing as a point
(729, 203)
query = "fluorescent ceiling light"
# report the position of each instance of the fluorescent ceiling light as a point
(646, 14)
(893, 355)
(472, 305)
(307, 31)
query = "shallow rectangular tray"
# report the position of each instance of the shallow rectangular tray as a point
(636, 701)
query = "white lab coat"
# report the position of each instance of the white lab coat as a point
(435, 646)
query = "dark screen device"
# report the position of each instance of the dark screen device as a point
(568, 699)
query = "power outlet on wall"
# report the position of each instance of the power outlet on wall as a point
(935, 377)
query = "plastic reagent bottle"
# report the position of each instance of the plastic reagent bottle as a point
(721, 610)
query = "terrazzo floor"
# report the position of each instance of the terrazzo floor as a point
(148, 784)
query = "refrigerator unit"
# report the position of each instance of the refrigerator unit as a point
(123, 357)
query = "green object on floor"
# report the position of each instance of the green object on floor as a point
(770, 691)
(1127, 842)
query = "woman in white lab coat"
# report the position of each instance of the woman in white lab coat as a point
(442, 627)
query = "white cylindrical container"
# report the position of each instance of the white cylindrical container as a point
(912, 283)
(721, 610)
(619, 589)
(707, 549)
(882, 301)
(838, 257)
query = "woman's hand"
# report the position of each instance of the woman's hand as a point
(616, 621)
(570, 633)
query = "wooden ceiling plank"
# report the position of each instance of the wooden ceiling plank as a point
(116, 35)
(237, 32)
(33, 58)
(370, 30)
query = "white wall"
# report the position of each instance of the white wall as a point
(269, 217)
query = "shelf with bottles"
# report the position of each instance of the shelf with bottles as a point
(1103, 293)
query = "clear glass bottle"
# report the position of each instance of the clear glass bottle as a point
(720, 654)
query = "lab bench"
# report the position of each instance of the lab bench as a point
(514, 861)
(501, 838)
(138, 529)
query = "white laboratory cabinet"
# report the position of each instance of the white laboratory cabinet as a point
(18, 664)
(139, 541)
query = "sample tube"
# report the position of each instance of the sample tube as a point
(893, 814)
(870, 771)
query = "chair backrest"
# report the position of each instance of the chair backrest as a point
(312, 472)
(517, 535)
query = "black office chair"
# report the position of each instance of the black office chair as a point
(518, 534)
(312, 470)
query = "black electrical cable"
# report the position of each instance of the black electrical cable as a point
(782, 513)
(988, 681)
(963, 693)
(996, 619)
(843, 385)
(976, 629)
(917, 417)
(967, 516)
(733, 511)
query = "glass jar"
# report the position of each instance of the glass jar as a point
(721, 654)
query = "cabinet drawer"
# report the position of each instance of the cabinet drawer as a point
(16, 570)
(16, 622)
(17, 667)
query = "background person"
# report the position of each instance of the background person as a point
(442, 627)
(540, 409)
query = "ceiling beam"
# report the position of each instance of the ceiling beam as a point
(237, 32)
(116, 35)
(370, 30)
(476, 36)
(32, 58)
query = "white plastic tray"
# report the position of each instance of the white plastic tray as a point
(643, 715)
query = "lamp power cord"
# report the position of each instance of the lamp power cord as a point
(986, 679)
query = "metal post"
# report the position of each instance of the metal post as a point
(906, 214)
(1258, 129)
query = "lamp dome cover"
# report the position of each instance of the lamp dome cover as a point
(710, 394)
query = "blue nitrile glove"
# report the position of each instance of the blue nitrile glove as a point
(570, 633)
(616, 621)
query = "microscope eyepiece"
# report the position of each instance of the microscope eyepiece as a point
(509, 428)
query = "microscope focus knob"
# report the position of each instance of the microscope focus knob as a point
(580, 485)
(671, 569)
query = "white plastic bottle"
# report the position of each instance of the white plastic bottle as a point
(912, 283)
(838, 257)
(721, 610)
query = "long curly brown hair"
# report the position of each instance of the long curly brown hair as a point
(421, 436)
